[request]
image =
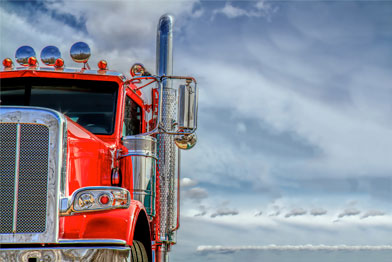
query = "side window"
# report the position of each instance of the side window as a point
(132, 118)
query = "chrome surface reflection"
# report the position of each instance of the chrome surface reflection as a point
(66, 254)
(80, 52)
(166, 148)
(142, 150)
(49, 55)
(186, 142)
(23, 54)
(56, 123)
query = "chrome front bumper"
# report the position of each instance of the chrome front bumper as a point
(65, 254)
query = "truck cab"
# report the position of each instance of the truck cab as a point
(89, 159)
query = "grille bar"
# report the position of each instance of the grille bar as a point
(16, 184)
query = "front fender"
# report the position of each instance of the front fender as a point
(110, 224)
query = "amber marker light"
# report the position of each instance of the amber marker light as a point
(32, 61)
(59, 63)
(137, 70)
(102, 65)
(7, 62)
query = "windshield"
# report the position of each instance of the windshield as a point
(91, 104)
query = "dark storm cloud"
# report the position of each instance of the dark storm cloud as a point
(275, 213)
(318, 212)
(373, 213)
(349, 212)
(34, 9)
(202, 211)
(296, 212)
(224, 212)
(257, 134)
(196, 193)
(258, 213)
(378, 187)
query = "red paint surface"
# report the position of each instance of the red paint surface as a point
(90, 159)
(111, 224)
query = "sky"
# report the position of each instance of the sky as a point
(295, 114)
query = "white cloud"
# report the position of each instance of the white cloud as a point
(231, 249)
(259, 9)
(122, 32)
(340, 134)
(188, 182)
(231, 11)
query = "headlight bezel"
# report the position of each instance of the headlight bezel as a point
(87, 199)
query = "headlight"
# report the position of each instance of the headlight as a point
(96, 199)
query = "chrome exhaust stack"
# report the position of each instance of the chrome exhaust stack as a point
(167, 152)
(176, 124)
(164, 54)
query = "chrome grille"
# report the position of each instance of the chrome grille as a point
(24, 177)
(7, 175)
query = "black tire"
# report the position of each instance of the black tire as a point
(138, 252)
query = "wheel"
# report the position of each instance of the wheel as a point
(138, 252)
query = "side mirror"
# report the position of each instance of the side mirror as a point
(187, 107)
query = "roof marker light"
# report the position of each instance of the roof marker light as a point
(59, 63)
(7, 63)
(49, 55)
(23, 54)
(103, 65)
(32, 61)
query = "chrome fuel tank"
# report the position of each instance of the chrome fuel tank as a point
(143, 152)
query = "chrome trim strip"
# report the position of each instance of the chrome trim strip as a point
(16, 185)
(58, 254)
(56, 122)
(138, 154)
(63, 158)
(93, 241)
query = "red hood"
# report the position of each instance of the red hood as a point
(89, 159)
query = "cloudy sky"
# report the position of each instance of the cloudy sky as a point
(295, 112)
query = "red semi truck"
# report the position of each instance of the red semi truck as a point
(90, 160)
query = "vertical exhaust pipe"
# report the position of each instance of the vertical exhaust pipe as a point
(166, 146)
(165, 46)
